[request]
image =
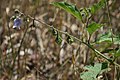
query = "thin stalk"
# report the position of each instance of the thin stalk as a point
(99, 53)
(17, 54)
(20, 48)
(75, 38)
(110, 24)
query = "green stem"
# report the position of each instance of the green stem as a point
(95, 50)
(110, 24)
(75, 38)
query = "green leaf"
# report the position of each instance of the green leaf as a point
(117, 54)
(72, 9)
(58, 39)
(117, 39)
(98, 6)
(93, 27)
(87, 76)
(93, 71)
(107, 37)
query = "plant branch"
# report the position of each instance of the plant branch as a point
(109, 21)
(75, 38)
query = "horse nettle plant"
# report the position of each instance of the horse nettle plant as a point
(84, 15)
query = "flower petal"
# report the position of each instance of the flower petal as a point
(17, 23)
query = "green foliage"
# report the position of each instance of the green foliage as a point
(104, 37)
(55, 33)
(58, 39)
(117, 39)
(84, 14)
(107, 37)
(117, 54)
(93, 71)
(93, 27)
(70, 39)
(70, 8)
(97, 6)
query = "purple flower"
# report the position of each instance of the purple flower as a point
(17, 23)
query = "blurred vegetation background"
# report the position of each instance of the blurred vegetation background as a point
(40, 57)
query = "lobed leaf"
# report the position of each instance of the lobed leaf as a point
(117, 54)
(117, 39)
(58, 39)
(98, 6)
(93, 71)
(93, 27)
(72, 9)
(104, 37)
(107, 37)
